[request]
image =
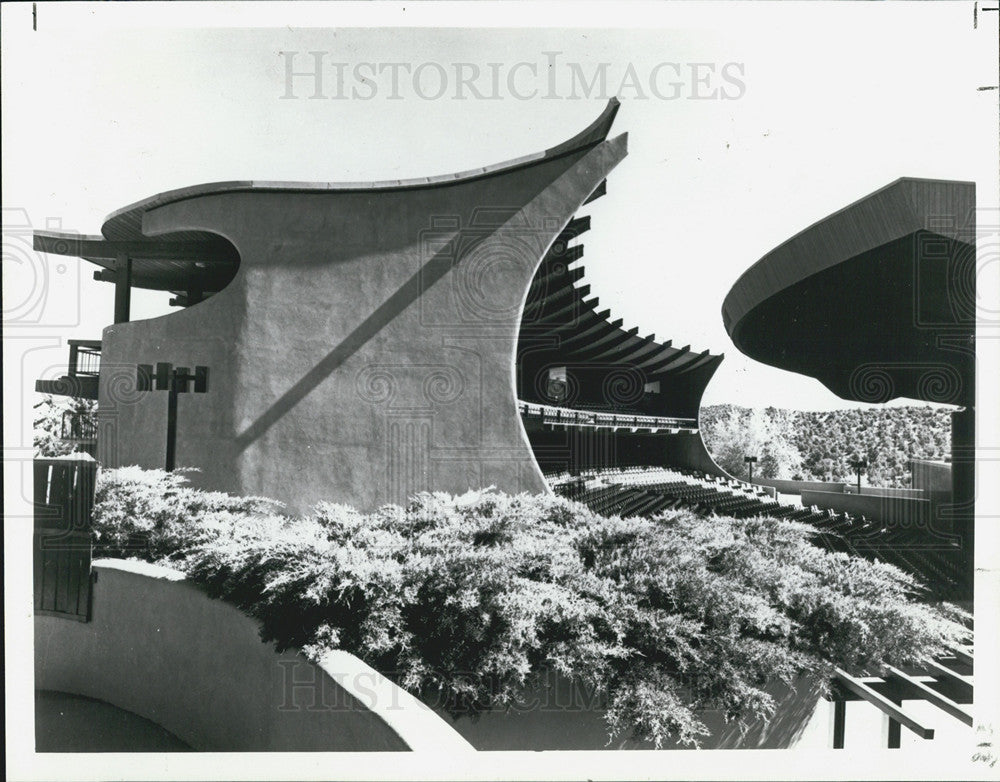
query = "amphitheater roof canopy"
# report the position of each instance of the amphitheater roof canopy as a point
(203, 261)
(607, 364)
(876, 301)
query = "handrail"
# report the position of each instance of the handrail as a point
(74, 427)
(594, 418)
(84, 358)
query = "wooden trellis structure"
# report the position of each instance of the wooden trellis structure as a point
(945, 682)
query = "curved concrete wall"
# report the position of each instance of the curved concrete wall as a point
(563, 715)
(365, 349)
(797, 487)
(159, 647)
(886, 491)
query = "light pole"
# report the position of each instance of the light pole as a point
(750, 462)
(859, 465)
(174, 381)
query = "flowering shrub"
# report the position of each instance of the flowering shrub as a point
(467, 600)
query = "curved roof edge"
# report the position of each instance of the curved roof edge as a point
(897, 209)
(593, 134)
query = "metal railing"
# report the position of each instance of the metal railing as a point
(84, 357)
(565, 415)
(76, 427)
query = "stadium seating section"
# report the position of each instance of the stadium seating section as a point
(642, 491)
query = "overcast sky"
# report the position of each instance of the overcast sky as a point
(743, 129)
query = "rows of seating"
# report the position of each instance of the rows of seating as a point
(648, 491)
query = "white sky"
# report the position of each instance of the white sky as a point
(839, 101)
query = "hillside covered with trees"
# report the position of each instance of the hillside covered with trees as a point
(820, 445)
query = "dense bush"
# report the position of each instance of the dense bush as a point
(156, 515)
(469, 599)
(819, 446)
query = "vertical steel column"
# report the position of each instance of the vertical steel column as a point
(172, 392)
(74, 358)
(123, 288)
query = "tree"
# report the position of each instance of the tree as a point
(753, 433)
(80, 415)
(887, 437)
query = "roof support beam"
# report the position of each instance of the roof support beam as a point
(953, 680)
(698, 360)
(962, 656)
(574, 228)
(661, 364)
(600, 190)
(591, 331)
(924, 692)
(635, 353)
(123, 288)
(607, 348)
(535, 308)
(554, 280)
(571, 312)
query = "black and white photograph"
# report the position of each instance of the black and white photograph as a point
(501, 390)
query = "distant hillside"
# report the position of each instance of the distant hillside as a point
(820, 446)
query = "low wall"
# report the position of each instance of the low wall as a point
(886, 491)
(561, 715)
(930, 476)
(903, 511)
(159, 647)
(797, 487)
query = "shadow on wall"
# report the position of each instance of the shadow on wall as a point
(561, 715)
(72, 723)
(411, 290)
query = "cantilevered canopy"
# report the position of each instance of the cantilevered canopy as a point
(876, 301)
(202, 262)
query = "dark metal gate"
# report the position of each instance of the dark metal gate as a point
(64, 504)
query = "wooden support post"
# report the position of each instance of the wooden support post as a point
(123, 288)
(839, 723)
(887, 706)
(74, 358)
(893, 730)
(172, 421)
(924, 692)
